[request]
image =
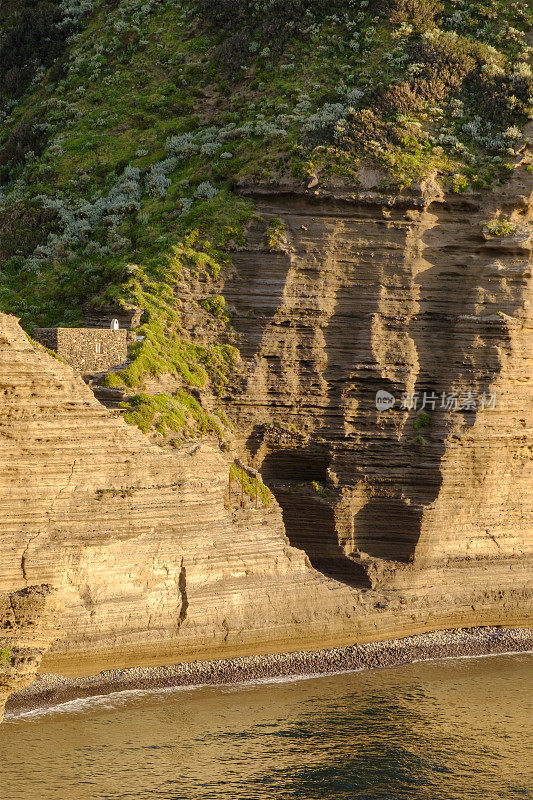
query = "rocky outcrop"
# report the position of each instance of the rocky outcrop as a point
(389, 523)
(28, 626)
(148, 558)
(410, 296)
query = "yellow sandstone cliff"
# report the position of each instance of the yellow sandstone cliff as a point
(412, 296)
(393, 527)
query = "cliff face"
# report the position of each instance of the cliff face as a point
(410, 523)
(147, 559)
(28, 626)
(410, 296)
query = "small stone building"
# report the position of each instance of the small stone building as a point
(88, 350)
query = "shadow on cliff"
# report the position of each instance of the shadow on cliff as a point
(398, 458)
(367, 445)
(389, 313)
(256, 290)
(294, 476)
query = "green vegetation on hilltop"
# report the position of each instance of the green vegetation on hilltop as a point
(126, 129)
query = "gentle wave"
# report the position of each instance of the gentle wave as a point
(467, 656)
(110, 701)
(113, 701)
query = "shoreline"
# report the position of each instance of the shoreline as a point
(50, 690)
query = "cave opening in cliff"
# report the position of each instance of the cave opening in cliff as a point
(296, 465)
(297, 478)
(389, 528)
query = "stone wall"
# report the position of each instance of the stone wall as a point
(88, 350)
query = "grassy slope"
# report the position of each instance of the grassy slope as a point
(413, 96)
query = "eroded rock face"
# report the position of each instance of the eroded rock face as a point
(28, 626)
(408, 296)
(409, 527)
(147, 560)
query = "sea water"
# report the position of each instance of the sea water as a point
(458, 729)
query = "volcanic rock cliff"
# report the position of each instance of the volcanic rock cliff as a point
(147, 559)
(412, 296)
(396, 522)
(28, 626)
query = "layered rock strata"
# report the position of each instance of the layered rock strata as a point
(148, 559)
(410, 296)
(28, 626)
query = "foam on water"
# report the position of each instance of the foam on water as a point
(114, 701)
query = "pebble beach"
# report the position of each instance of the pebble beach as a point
(49, 690)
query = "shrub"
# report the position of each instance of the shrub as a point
(157, 181)
(418, 13)
(276, 233)
(180, 413)
(250, 484)
(445, 60)
(499, 227)
(205, 191)
(27, 137)
(366, 132)
(422, 421)
(398, 99)
(22, 226)
(247, 23)
(216, 306)
(33, 38)
(77, 223)
(460, 183)
(492, 94)
(164, 351)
